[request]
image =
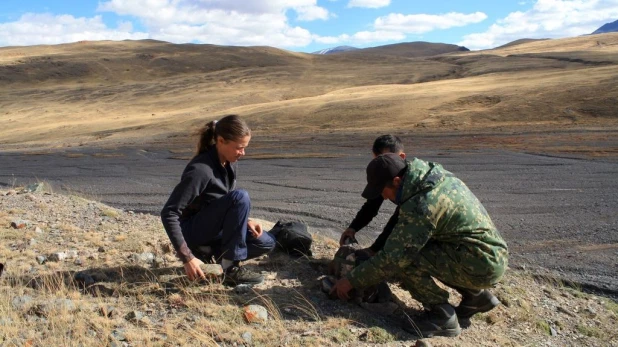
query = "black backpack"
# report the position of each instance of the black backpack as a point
(292, 237)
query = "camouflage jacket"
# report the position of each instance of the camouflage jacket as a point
(434, 206)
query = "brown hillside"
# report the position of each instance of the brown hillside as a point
(409, 49)
(96, 92)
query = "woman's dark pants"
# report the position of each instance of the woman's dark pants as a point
(222, 225)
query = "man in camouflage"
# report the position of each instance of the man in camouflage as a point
(444, 232)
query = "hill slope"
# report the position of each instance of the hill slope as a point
(80, 272)
(123, 92)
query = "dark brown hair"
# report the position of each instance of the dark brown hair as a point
(387, 144)
(230, 128)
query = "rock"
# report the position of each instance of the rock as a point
(78, 262)
(211, 270)
(58, 256)
(256, 314)
(143, 258)
(34, 188)
(101, 249)
(41, 259)
(61, 305)
(134, 316)
(242, 289)
(21, 302)
(20, 224)
(247, 337)
(72, 254)
(31, 242)
(567, 311)
(38, 230)
(108, 311)
(422, 343)
(118, 335)
(158, 262)
(11, 192)
(553, 331)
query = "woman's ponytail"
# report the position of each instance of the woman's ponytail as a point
(230, 128)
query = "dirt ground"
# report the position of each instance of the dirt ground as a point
(553, 195)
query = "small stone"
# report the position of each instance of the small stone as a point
(134, 316)
(41, 259)
(242, 289)
(56, 257)
(101, 249)
(64, 305)
(553, 331)
(20, 224)
(422, 343)
(247, 337)
(20, 302)
(34, 188)
(108, 311)
(118, 335)
(256, 314)
(31, 242)
(38, 230)
(211, 270)
(78, 262)
(145, 258)
(72, 254)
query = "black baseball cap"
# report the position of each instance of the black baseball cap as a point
(380, 171)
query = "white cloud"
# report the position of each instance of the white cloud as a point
(369, 3)
(225, 22)
(546, 19)
(422, 23)
(36, 29)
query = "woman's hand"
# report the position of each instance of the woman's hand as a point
(255, 228)
(192, 269)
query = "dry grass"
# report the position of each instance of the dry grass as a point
(71, 96)
(34, 309)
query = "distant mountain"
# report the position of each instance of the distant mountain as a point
(336, 50)
(607, 28)
(519, 42)
(410, 49)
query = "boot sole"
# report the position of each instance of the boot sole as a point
(493, 303)
(433, 333)
(235, 283)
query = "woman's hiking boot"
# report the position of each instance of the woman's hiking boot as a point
(441, 320)
(236, 275)
(475, 301)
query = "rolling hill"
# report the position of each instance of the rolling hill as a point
(117, 92)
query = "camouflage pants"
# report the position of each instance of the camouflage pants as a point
(458, 266)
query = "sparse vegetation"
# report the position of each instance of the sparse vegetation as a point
(138, 294)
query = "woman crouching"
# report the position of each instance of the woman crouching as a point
(206, 217)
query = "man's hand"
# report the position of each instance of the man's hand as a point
(347, 234)
(364, 253)
(192, 269)
(255, 228)
(342, 287)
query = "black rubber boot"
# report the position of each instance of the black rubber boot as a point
(441, 320)
(236, 275)
(475, 301)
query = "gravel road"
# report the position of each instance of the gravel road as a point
(558, 215)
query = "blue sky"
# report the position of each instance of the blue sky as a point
(300, 25)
